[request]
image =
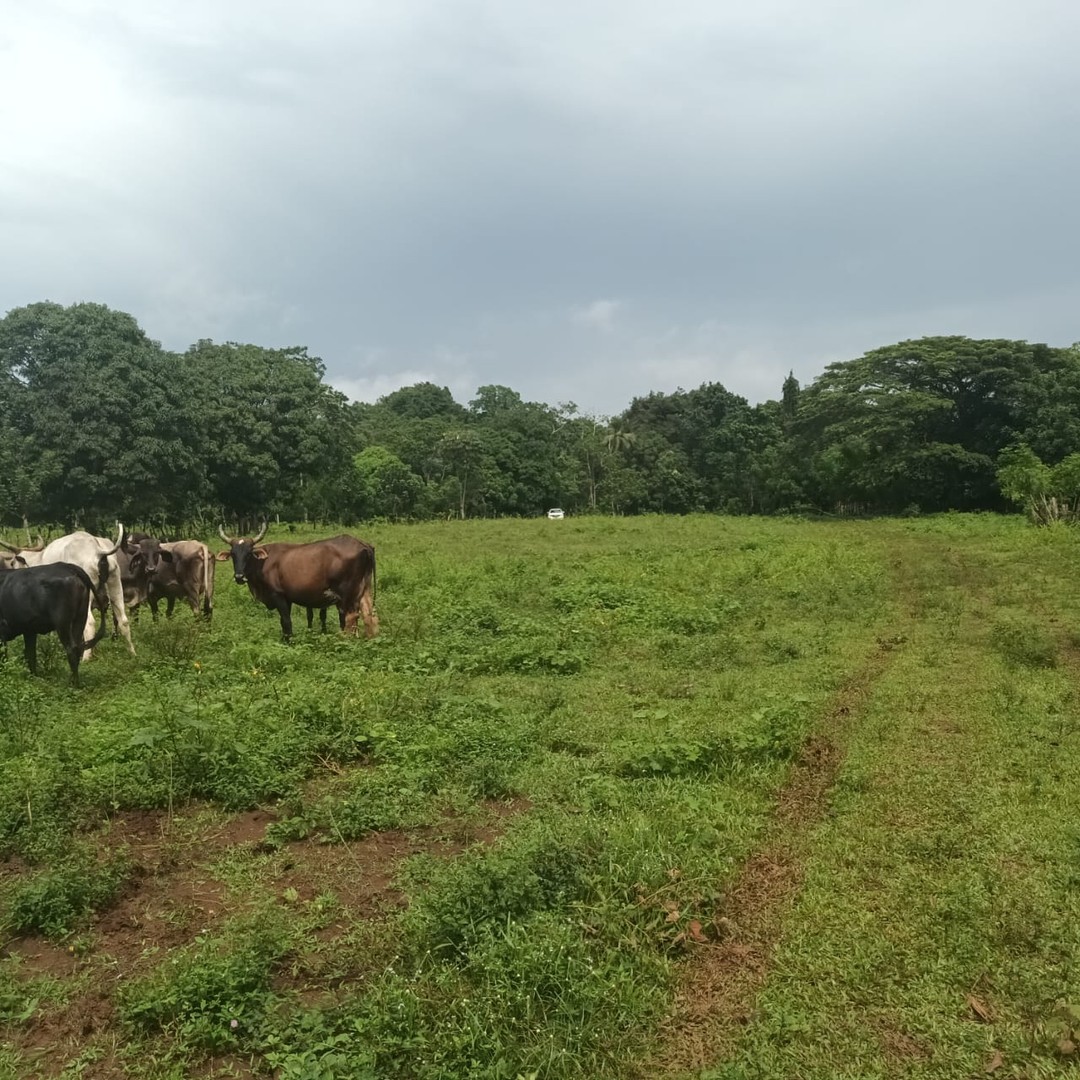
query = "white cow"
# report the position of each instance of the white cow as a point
(87, 552)
(22, 556)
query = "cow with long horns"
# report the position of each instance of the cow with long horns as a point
(340, 570)
(23, 556)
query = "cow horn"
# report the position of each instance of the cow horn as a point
(262, 533)
(39, 547)
(221, 533)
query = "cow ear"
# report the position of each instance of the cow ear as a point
(166, 556)
(221, 556)
(260, 553)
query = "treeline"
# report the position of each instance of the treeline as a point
(97, 421)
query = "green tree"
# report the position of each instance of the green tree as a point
(521, 441)
(467, 466)
(1047, 493)
(389, 488)
(922, 422)
(99, 409)
(271, 426)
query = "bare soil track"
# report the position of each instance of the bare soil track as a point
(721, 980)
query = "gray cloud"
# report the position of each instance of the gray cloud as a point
(584, 201)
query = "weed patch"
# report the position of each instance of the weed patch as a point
(56, 901)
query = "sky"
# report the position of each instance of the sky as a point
(584, 201)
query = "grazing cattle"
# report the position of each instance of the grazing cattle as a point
(338, 571)
(52, 597)
(154, 570)
(96, 556)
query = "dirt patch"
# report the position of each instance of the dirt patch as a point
(359, 873)
(721, 981)
(901, 1047)
(38, 957)
(172, 897)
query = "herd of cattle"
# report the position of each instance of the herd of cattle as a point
(54, 587)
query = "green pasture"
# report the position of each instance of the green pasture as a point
(541, 785)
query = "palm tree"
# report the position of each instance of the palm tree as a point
(617, 439)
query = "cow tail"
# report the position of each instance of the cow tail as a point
(373, 577)
(101, 595)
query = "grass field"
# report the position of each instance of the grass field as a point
(684, 797)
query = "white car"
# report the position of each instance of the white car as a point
(555, 514)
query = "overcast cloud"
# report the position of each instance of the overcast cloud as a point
(584, 201)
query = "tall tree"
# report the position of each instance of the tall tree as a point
(271, 426)
(921, 422)
(101, 412)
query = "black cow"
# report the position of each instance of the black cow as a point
(53, 597)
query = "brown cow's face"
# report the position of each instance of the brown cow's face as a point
(245, 558)
(146, 554)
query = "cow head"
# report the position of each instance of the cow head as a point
(20, 557)
(145, 553)
(245, 554)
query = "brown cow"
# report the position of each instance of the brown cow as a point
(190, 577)
(154, 570)
(340, 570)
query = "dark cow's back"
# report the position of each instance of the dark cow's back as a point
(50, 598)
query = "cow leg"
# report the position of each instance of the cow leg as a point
(90, 628)
(116, 599)
(367, 609)
(74, 654)
(310, 617)
(341, 616)
(284, 609)
(153, 607)
(170, 603)
(30, 652)
(207, 607)
(322, 619)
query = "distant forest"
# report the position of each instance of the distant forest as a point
(99, 422)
